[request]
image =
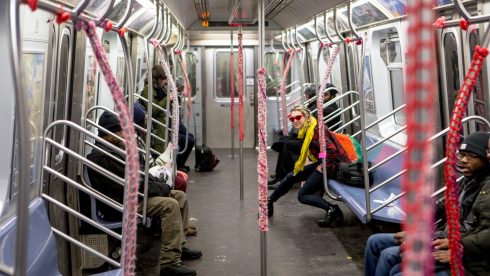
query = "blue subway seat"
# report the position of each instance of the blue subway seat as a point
(355, 197)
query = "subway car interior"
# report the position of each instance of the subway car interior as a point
(167, 137)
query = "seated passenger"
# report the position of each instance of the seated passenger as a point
(184, 136)
(382, 255)
(140, 118)
(311, 192)
(170, 207)
(330, 93)
(476, 240)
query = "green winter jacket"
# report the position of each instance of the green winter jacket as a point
(158, 115)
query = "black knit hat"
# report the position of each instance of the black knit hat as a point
(110, 122)
(333, 90)
(476, 143)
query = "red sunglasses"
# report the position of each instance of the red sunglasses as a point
(295, 118)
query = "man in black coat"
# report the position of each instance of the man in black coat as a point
(163, 204)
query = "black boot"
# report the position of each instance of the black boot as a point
(334, 214)
(270, 207)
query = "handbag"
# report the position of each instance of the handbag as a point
(352, 174)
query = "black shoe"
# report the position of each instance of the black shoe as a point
(178, 269)
(334, 214)
(270, 208)
(190, 254)
(185, 169)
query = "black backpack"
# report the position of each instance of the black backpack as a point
(352, 174)
(205, 159)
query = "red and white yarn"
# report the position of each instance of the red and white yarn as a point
(418, 181)
(319, 101)
(284, 112)
(262, 159)
(452, 203)
(232, 90)
(173, 92)
(241, 125)
(132, 160)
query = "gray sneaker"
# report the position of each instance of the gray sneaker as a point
(178, 269)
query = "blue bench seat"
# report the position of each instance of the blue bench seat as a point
(355, 197)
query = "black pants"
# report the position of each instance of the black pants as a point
(288, 154)
(182, 157)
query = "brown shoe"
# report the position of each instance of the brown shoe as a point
(191, 232)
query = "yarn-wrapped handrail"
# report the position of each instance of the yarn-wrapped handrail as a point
(262, 159)
(284, 112)
(232, 90)
(455, 126)
(173, 92)
(418, 181)
(132, 161)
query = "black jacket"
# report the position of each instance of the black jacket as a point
(113, 189)
(327, 111)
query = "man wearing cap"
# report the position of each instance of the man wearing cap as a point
(160, 204)
(382, 255)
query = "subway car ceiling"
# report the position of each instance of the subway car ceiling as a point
(279, 15)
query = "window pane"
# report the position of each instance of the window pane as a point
(222, 81)
(451, 68)
(479, 96)
(397, 90)
(394, 51)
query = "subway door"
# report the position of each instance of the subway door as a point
(217, 101)
(57, 109)
(194, 72)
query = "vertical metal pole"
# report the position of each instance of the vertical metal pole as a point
(11, 16)
(233, 102)
(241, 142)
(263, 234)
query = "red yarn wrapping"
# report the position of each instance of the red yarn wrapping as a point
(240, 88)
(62, 16)
(418, 181)
(232, 90)
(262, 158)
(284, 112)
(122, 31)
(463, 24)
(440, 22)
(32, 4)
(452, 204)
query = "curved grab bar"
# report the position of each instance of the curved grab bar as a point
(329, 37)
(80, 7)
(106, 12)
(157, 18)
(126, 15)
(351, 25)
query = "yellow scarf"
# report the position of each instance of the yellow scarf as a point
(305, 132)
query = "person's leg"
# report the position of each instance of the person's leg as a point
(289, 156)
(168, 211)
(389, 258)
(308, 193)
(288, 181)
(184, 209)
(182, 157)
(374, 245)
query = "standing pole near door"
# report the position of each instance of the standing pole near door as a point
(232, 95)
(240, 106)
(262, 139)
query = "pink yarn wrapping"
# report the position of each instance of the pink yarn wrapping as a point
(319, 101)
(262, 159)
(187, 84)
(418, 181)
(241, 125)
(132, 162)
(232, 91)
(173, 92)
(284, 112)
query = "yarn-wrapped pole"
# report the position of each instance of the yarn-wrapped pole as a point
(232, 90)
(455, 126)
(284, 112)
(173, 93)
(262, 159)
(187, 83)
(418, 182)
(240, 88)
(319, 101)
(132, 161)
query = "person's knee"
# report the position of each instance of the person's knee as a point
(390, 255)
(179, 196)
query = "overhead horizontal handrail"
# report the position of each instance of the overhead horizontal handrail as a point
(458, 4)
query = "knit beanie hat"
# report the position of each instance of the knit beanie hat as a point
(110, 122)
(476, 143)
(139, 114)
(333, 90)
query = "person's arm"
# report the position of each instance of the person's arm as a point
(477, 244)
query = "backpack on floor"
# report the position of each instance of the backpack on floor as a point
(205, 159)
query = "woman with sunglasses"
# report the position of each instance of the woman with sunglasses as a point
(311, 192)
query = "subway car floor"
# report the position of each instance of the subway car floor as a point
(228, 232)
